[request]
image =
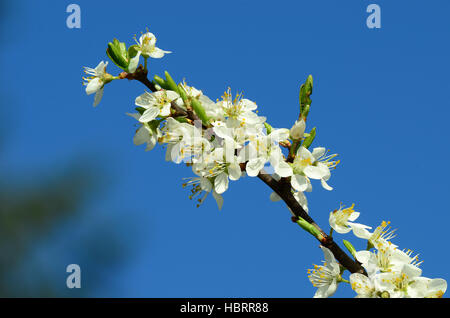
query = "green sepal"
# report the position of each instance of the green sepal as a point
(350, 247)
(309, 140)
(306, 91)
(155, 123)
(140, 109)
(181, 119)
(118, 53)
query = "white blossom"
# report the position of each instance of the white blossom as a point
(96, 81)
(155, 104)
(146, 47)
(146, 134)
(239, 111)
(325, 277)
(424, 287)
(234, 136)
(379, 237)
(263, 149)
(315, 165)
(342, 220)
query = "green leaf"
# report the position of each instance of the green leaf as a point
(308, 140)
(268, 128)
(117, 52)
(305, 93)
(305, 111)
(123, 51)
(140, 109)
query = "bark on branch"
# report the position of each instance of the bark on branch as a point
(284, 191)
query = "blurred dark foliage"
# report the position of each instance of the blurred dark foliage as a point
(43, 225)
(48, 216)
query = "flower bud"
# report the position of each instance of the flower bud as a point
(200, 111)
(170, 82)
(298, 130)
(309, 228)
(182, 93)
(385, 294)
(350, 247)
(161, 82)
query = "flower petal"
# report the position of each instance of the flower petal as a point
(219, 199)
(325, 185)
(205, 184)
(150, 114)
(132, 66)
(283, 169)
(145, 100)
(142, 136)
(274, 197)
(149, 39)
(329, 257)
(304, 153)
(234, 171)
(157, 53)
(254, 166)
(93, 86)
(98, 96)
(318, 152)
(221, 183)
(165, 110)
(299, 182)
(314, 172)
(301, 198)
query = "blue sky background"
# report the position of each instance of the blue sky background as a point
(380, 100)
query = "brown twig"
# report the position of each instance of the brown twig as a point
(139, 75)
(284, 191)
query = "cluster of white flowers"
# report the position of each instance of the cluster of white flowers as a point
(235, 142)
(391, 272)
(227, 139)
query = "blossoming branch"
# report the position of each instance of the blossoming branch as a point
(223, 140)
